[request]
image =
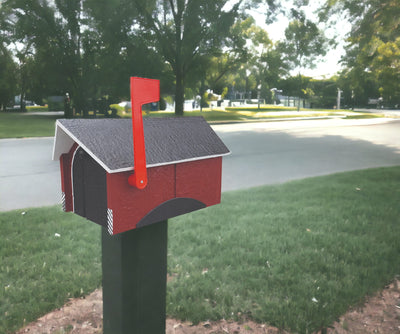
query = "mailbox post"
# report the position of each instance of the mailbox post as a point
(134, 280)
(173, 167)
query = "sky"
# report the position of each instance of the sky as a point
(329, 66)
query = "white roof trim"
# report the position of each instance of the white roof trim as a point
(61, 147)
(64, 140)
(169, 163)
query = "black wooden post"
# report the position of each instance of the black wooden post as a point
(134, 280)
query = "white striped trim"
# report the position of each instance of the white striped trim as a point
(110, 221)
(64, 207)
(127, 169)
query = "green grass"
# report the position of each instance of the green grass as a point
(20, 125)
(47, 256)
(208, 114)
(241, 115)
(262, 108)
(296, 255)
(268, 107)
(365, 116)
(271, 251)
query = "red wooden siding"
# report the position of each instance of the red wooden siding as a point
(129, 204)
(199, 180)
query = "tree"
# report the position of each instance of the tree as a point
(8, 67)
(88, 47)
(247, 47)
(216, 68)
(373, 47)
(8, 74)
(119, 48)
(249, 56)
(185, 31)
(266, 64)
(50, 34)
(325, 92)
(304, 43)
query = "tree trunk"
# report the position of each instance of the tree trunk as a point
(179, 92)
(22, 102)
(202, 91)
(23, 89)
(179, 62)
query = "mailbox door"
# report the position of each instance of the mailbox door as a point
(89, 188)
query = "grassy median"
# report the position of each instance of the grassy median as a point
(295, 255)
(21, 125)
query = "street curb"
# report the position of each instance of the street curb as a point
(263, 120)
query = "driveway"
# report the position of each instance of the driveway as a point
(262, 153)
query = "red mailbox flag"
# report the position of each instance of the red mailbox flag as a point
(142, 91)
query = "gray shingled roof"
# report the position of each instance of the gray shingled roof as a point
(167, 140)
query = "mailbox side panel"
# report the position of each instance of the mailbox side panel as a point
(127, 205)
(89, 188)
(200, 180)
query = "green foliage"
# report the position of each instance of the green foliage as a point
(304, 42)
(251, 64)
(373, 49)
(320, 93)
(50, 60)
(187, 34)
(325, 93)
(55, 105)
(118, 48)
(120, 109)
(90, 48)
(8, 81)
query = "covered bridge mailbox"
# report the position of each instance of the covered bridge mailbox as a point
(183, 158)
(125, 175)
(183, 161)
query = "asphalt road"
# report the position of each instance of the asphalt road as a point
(262, 153)
(276, 152)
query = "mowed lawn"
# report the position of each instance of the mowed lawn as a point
(295, 255)
(21, 125)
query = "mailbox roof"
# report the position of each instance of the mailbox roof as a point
(167, 140)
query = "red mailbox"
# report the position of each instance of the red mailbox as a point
(183, 161)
